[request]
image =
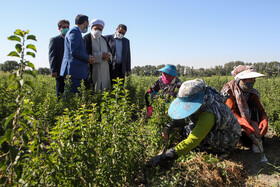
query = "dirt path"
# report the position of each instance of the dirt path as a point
(261, 174)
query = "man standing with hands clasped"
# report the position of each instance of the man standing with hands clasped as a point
(56, 50)
(75, 59)
(97, 46)
(120, 48)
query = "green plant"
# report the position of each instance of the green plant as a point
(104, 139)
(15, 127)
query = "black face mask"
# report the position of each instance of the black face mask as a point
(246, 86)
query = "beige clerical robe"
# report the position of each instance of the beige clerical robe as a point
(100, 68)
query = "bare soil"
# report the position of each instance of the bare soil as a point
(260, 174)
(243, 168)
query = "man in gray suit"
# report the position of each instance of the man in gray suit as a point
(120, 48)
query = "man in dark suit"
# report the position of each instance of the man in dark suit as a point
(75, 59)
(56, 50)
(120, 48)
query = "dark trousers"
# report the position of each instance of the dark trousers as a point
(59, 85)
(115, 72)
(75, 84)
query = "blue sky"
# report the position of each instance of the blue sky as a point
(198, 33)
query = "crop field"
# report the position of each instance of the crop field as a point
(100, 139)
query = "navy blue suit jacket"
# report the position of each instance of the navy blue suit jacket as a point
(56, 50)
(126, 61)
(75, 59)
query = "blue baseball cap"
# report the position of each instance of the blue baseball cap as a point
(189, 100)
(169, 69)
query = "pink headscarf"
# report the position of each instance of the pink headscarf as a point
(167, 80)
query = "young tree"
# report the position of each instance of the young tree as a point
(16, 129)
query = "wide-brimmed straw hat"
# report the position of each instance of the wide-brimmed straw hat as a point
(189, 100)
(245, 72)
(169, 69)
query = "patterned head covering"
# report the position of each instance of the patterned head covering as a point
(245, 72)
(169, 69)
(189, 100)
(241, 97)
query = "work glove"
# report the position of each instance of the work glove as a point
(162, 159)
(263, 126)
(246, 126)
(150, 111)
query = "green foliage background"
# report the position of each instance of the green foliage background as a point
(93, 139)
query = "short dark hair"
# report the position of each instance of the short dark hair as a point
(61, 22)
(80, 19)
(122, 26)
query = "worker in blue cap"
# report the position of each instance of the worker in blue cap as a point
(167, 82)
(212, 126)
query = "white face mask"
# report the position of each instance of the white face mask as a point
(96, 33)
(120, 36)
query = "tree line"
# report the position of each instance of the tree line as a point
(270, 69)
(11, 65)
(267, 68)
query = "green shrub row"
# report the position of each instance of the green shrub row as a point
(98, 139)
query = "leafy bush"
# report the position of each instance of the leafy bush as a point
(98, 139)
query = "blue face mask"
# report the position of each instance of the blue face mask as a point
(85, 30)
(64, 31)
